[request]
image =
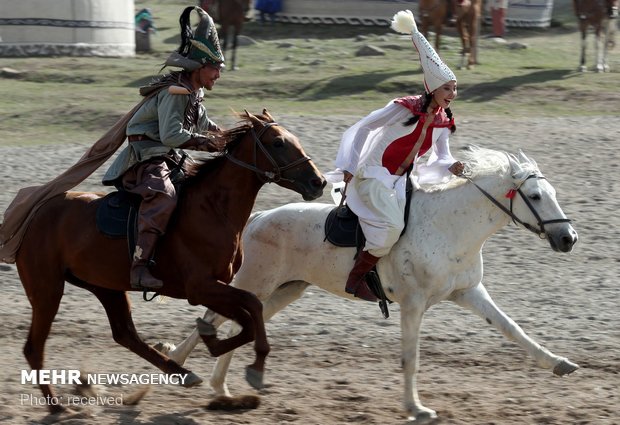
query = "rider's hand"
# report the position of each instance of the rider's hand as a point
(457, 168)
(202, 143)
(347, 176)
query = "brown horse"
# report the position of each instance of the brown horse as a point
(196, 259)
(595, 14)
(229, 14)
(467, 13)
(433, 12)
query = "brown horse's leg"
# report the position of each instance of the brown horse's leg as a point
(234, 47)
(582, 61)
(223, 37)
(118, 309)
(244, 308)
(473, 41)
(44, 301)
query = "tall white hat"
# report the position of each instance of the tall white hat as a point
(436, 73)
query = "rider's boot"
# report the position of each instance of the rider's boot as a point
(140, 276)
(356, 283)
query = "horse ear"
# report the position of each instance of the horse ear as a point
(515, 164)
(268, 115)
(525, 160)
(253, 119)
(249, 115)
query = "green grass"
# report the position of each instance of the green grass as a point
(76, 99)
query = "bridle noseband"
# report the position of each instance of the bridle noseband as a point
(541, 223)
(267, 176)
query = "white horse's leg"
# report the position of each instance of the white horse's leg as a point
(279, 299)
(606, 43)
(180, 353)
(478, 301)
(411, 321)
(599, 50)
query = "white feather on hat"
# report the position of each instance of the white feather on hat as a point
(436, 73)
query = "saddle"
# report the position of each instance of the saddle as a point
(117, 216)
(342, 229)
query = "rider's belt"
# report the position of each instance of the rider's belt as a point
(137, 138)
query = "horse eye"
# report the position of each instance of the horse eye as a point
(278, 143)
(535, 197)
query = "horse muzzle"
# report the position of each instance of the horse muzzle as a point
(313, 189)
(563, 240)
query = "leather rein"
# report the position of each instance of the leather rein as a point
(541, 223)
(267, 176)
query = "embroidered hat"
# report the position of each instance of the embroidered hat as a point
(436, 73)
(198, 48)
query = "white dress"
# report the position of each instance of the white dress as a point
(375, 194)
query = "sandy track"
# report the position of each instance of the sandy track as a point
(335, 361)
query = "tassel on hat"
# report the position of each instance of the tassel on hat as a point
(436, 73)
(198, 48)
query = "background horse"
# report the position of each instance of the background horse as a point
(196, 258)
(594, 13)
(467, 14)
(434, 260)
(433, 12)
(229, 14)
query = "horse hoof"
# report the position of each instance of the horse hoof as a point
(426, 416)
(565, 367)
(191, 380)
(244, 402)
(254, 378)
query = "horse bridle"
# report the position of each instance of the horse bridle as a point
(267, 176)
(541, 223)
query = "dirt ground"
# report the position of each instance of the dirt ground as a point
(335, 361)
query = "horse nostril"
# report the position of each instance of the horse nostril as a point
(320, 183)
(568, 240)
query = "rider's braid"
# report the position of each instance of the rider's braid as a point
(449, 114)
(428, 97)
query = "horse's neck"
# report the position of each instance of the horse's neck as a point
(464, 214)
(231, 191)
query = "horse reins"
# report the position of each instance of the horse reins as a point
(541, 223)
(267, 176)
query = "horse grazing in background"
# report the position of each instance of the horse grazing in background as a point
(467, 14)
(229, 14)
(434, 260)
(595, 14)
(196, 258)
(433, 12)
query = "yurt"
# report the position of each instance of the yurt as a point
(67, 28)
(520, 13)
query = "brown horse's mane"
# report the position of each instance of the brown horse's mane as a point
(228, 140)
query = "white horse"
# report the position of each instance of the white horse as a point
(435, 260)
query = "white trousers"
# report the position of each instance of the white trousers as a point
(380, 209)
